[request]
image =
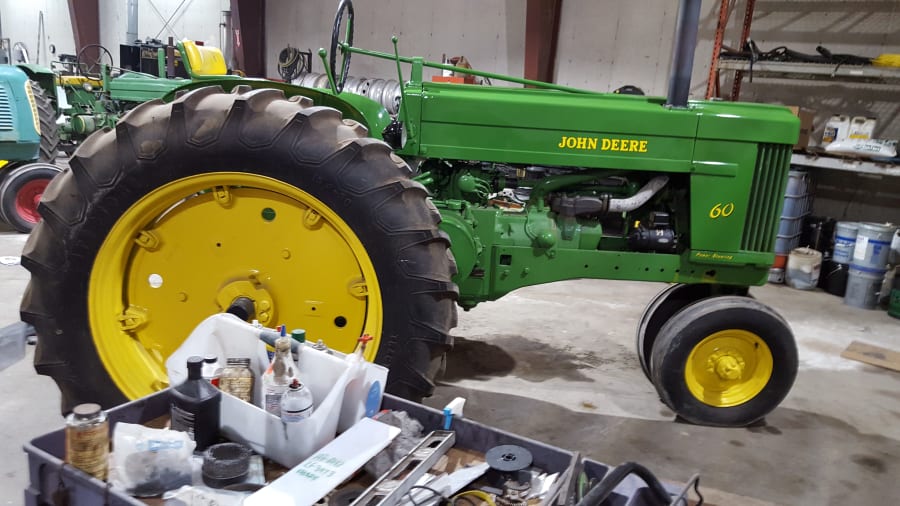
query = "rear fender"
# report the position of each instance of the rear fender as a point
(368, 112)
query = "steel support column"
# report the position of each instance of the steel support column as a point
(248, 19)
(541, 35)
(85, 17)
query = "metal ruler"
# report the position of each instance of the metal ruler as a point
(390, 488)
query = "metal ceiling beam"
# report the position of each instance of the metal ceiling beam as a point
(85, 18)
(248, 21)
(541, 35)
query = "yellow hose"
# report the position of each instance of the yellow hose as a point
(887, 60)
(484, 496)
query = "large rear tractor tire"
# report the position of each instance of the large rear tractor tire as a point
(21, 191)
(49, 128)
(724, 361)
(188, 206)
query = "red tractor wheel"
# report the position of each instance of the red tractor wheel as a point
(21, 192)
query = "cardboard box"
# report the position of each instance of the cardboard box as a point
(806, 125)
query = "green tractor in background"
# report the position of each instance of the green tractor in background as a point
(29, 140)
(320, 210)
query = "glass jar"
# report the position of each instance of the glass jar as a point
(237, 379)
(87, 440)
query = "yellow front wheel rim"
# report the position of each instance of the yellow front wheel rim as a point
(187, 249)
(728, 368)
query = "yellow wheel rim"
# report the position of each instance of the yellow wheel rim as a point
(728, 368)
(189, 248)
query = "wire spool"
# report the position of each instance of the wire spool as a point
(508, 458)
(292, 62)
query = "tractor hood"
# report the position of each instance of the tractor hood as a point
(561, 128)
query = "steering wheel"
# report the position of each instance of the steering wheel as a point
(339, 80)
(93, 66)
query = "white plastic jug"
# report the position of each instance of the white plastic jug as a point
(836, 129)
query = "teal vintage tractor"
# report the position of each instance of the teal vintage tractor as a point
(318, 209)
(28, 142)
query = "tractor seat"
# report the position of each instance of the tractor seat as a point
(79, 81)
(204, 60)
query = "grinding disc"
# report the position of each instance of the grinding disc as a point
(508, 458)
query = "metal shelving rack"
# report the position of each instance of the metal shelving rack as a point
(814, 71)
(847, 164)
(794, 70)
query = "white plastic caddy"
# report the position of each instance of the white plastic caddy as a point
(339, 383)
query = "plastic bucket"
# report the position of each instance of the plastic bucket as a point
(803, 267)
(833, 278)
(863, 286)
(844, 241)
(873, 245)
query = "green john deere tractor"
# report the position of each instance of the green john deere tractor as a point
(28, 142)
(319, 210)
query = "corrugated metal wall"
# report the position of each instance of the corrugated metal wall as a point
(195, 20)
(20, 24)
(490, 33)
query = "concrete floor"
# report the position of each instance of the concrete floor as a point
(557, 363)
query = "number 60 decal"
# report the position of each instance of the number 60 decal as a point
(721, 210)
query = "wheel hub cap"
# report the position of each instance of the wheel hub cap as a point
(728, 368)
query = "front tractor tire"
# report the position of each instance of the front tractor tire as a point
(724, 361)
(187, 206)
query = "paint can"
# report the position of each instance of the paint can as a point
(803, 268)
(863, 286)
(873, 245)
(776, 275)
(844, 241)
(833, 278)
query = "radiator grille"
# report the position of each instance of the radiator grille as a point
(6, 115)
(766, 197)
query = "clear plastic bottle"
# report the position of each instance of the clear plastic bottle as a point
(87, 440)
(195, 406)
(237, 379)
(278, 376)
(296, 403)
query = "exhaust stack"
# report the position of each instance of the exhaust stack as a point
(131, 15)
(688, 22)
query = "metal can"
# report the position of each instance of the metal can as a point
(87, 440)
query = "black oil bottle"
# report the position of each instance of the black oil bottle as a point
(195, 406)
